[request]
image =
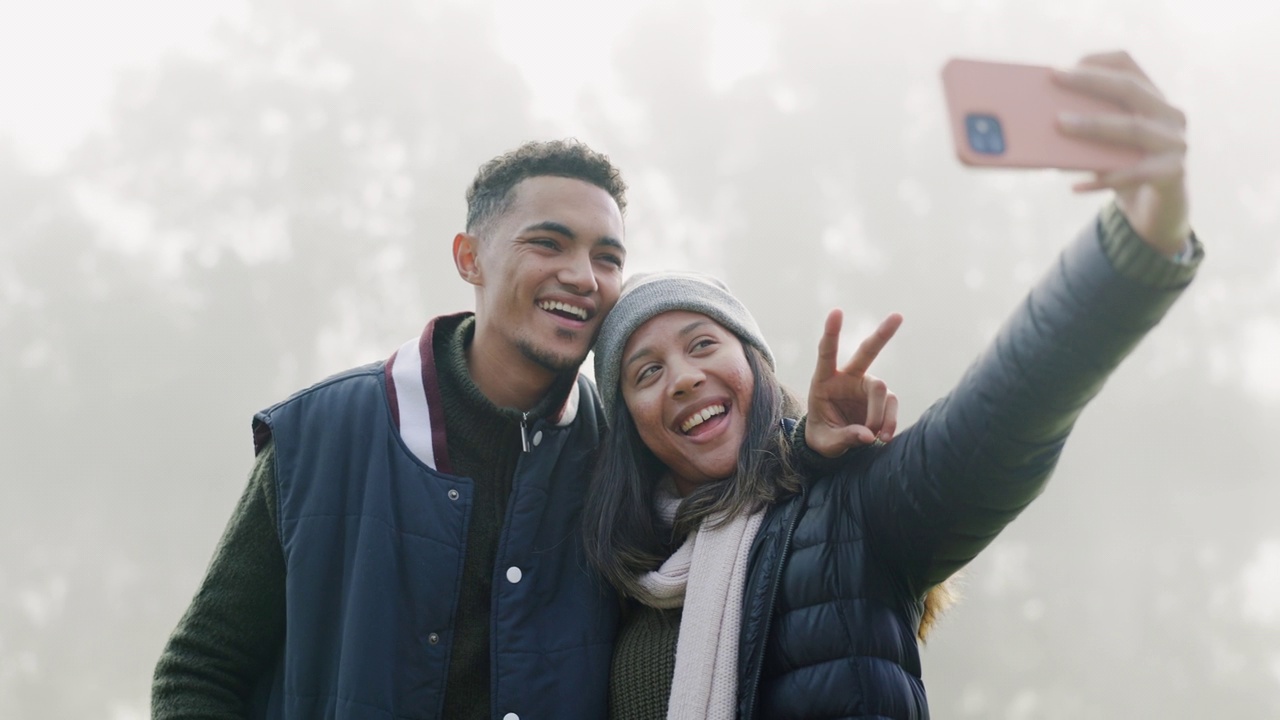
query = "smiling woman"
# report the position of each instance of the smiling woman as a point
(763, 587)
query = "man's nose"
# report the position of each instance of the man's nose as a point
(578, 274)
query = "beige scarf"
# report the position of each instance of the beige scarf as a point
(707, 575)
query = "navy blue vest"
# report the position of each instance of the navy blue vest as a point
(373, 542)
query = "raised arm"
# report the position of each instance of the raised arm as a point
(948, 485)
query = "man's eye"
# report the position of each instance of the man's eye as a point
(611, 259)
(545, 242)
(646, 372)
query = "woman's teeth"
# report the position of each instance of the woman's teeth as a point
(701, 417)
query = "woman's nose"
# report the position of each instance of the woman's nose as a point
(688, 378)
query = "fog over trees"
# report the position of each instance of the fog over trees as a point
(278, 205)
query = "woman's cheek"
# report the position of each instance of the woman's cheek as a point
(744, 384)
(647, 414)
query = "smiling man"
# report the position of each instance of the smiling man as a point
(547, 266)
(409, 544)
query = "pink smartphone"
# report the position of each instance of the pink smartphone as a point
(1006, 115)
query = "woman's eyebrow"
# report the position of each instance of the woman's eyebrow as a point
(637, 355)
(682, 332)
(692, 326)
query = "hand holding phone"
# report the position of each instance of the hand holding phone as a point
(1007, 115)
(1104, 115)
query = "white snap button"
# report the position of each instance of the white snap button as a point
(514, 575)
(511, 716)
(433, 638)
(453, 494)
(537, 438)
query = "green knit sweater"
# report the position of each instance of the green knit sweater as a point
(234, 627)
(644, 661)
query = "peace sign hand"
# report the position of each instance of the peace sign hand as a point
(848, 407)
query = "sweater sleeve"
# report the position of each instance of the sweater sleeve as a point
(807, 461)
(1137, 260)
(233, 629)
(941, 492)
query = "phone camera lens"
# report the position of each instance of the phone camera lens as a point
(985, 135)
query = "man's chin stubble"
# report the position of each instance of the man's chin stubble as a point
(557, 364)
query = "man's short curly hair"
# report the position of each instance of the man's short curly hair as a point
(490, 192)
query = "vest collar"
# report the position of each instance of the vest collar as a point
(416, 408)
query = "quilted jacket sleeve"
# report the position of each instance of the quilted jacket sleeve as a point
(941, 492)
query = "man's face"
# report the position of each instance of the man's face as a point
(550, 269)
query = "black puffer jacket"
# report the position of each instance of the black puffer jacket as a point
(837, 575)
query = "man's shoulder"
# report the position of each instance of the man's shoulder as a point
(335, 397)
(345, 380)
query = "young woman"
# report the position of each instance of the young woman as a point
(759, 590)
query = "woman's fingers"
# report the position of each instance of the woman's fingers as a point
(1164, 169)
(882, 409)
(1134, 131)
(890, 426)
(869, 349)
(828, 346)
(1130, 89)
(877, 393)
(1115, 60)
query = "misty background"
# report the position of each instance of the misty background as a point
(206, 206)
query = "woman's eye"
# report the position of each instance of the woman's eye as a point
(645, 373)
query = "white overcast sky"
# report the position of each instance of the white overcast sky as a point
(59, 58)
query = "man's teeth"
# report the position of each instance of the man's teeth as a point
(701, 417)
(564, 307)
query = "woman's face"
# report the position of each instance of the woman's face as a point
(686, 382)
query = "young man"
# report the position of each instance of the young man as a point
(408, 544)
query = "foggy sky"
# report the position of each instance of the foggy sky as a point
(268, 200)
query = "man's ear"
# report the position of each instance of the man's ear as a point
(466, 257)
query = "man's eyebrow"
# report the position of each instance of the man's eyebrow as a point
(612, 242)
(551, 226)
(683, 331)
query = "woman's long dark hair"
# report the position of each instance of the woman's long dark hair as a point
(624, 536)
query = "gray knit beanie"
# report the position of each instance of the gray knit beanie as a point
(647, 295)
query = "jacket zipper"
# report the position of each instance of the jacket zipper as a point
(768, 618)
(524, 432)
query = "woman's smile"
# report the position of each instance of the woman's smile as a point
(688, 387)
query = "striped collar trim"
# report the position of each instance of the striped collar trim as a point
(416, 407)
